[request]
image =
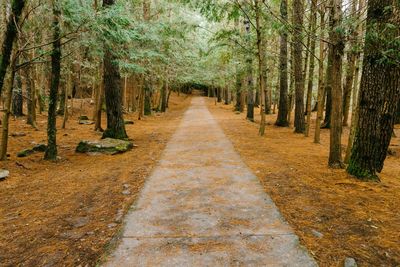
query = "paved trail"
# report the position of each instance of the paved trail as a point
(202, 206)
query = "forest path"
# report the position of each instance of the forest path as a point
(202, 206)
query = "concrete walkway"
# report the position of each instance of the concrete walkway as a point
(202, 206)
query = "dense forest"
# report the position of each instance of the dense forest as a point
(311, 66)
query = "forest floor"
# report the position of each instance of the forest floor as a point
(68, 213)
(335, 215)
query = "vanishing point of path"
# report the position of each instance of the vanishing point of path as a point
(202, 206)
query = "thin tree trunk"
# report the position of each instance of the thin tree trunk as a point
(354, 113)
(313, 24)
(298, 12)
(7, 112)
(282, 119)
(100, 101)
(17, 98)
(51, 150)
(337, 46)
(164, 95)
(261, 59)
(65, 117)
(321, 86)
(351, 59)
(250, 89)
(31, 92)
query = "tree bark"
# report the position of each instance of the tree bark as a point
(164, 95)
(282, 119)
(313, 23)
(51, 150)
(7, 113)
(351, 60)
(9, 38)
(321, 86)
(17, 98)
(261, 58)
(100, 101)
(379, 90)
(250, 86)
(298, 12)
(336, 47)
(112, 89)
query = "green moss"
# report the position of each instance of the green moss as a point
(105, 146)
(361, 173)
(25, 153)
(39, 148)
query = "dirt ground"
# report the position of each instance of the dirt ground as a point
(335, 215)
(68, 213)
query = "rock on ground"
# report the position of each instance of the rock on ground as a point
(105, 146)
(4, 174)
(350, 262)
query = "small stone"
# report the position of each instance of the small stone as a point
(112, 225)
(237, 112)
(25, 153)
(86, 122)
(350, 262)
(316, 233)
(126, 192)
(4, 174)
(71, 235)
(129, 122)
(78, 222)
(83, 118)
(18, 134)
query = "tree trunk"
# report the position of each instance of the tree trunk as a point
(379, 90)
(351, 59)
(219, 94)
(17, 98)
(336, 47)
(354, 112)
(298, 12)
(31, 93)
(51, 150)
(61, 106)
(7, 113)
(321, 87)
(238, 89)
(99, 101)
(66, 92)
(313, 23)
(261, 58)
(9, 37)
(249, 64)
(147, 99)
(282, 119)
(226, 96)
(112, 88)
(164, 96)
